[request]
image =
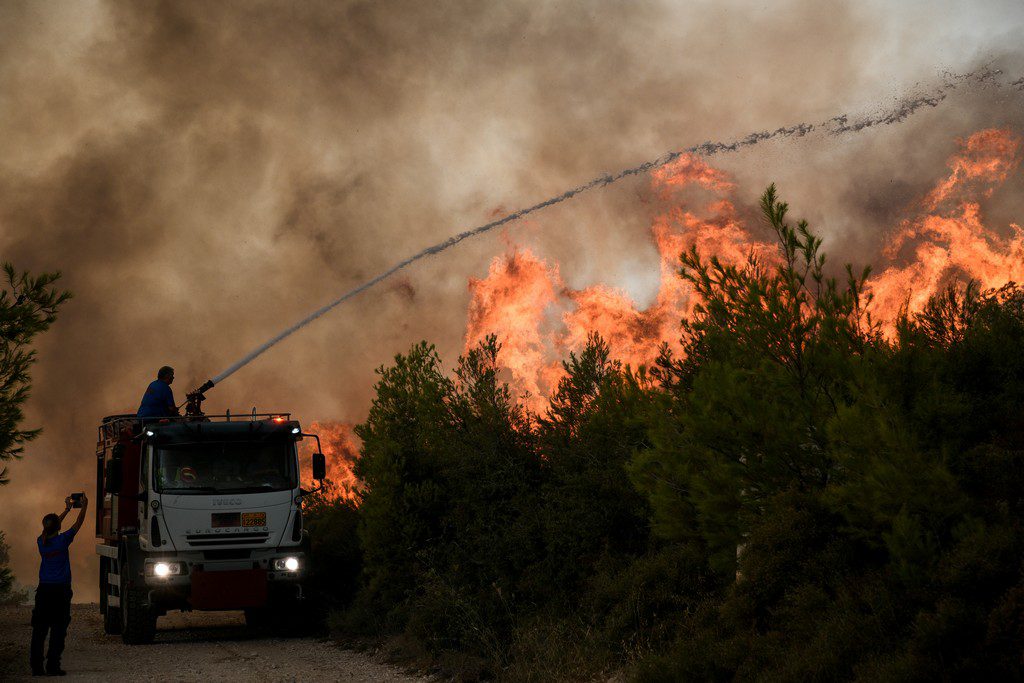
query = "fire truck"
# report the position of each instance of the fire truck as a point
(201, 512)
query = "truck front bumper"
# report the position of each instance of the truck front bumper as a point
(176, 569)
(206, 584)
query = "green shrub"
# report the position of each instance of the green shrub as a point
(335, 555)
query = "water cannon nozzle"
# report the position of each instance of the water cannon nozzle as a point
(194, 399)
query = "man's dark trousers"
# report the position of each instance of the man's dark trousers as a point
(52, 614)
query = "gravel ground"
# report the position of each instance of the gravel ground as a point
(189, 647)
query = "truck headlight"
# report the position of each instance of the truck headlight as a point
(162, 570)
(286, 564)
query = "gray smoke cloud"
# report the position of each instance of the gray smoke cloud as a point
(205, 173)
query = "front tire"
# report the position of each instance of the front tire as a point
(138, 618)
(258, 620)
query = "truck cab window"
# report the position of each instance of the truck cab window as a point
(225, 467)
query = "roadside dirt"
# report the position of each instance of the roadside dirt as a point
(188, 647)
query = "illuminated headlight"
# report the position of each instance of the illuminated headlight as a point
(163, 569)
(295, 430)
(286, 564)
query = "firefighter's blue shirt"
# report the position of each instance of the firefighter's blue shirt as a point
(157, 400)
(55, 566)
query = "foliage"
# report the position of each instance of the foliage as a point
(331, 521)
(9, 593)
(841, 485)
(590, 513)
(28, 306)
(796, 497)
(447, 515)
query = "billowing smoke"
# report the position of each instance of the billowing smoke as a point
(204, 174)
(835, 126)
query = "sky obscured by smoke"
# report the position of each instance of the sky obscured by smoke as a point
(204, 174)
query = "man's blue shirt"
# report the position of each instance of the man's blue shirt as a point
(55, 566)
(157, 400)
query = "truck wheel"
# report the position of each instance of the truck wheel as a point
(138, 619)
(258, 620)
(294, 624)
(112, 621)
(103, 585)
(111, 614)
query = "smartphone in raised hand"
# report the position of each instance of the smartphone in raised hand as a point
(76, 500)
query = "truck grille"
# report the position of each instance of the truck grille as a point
(241, 538)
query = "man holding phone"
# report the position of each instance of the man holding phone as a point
(52, 612)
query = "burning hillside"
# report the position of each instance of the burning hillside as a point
(538, 319)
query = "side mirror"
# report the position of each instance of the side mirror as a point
(319, 466)
(112, 483)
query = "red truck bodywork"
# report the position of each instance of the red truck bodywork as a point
(117, 432)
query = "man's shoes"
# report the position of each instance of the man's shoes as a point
(38, 672)
(56, 672)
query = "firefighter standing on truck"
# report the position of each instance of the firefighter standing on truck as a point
(52, 611)
(158, 401)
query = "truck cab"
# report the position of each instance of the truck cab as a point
(200, 514)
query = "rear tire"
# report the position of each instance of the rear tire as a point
(103, 584)
(112, 621)
(111, 615)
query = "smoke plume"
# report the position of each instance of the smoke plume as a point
(204, 174)
(837, 125)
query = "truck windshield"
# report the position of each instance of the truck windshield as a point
(224, 467)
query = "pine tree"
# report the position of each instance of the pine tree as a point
(770, 353)
(8, 593)
(28, 306)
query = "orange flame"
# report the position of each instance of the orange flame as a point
(511, 303)
(521, 296)
(988, 156)
(341, 448)
(948, 238)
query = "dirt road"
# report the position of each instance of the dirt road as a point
(188, 647)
